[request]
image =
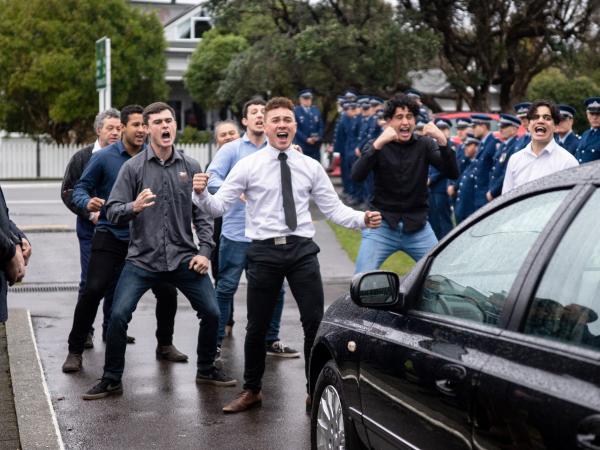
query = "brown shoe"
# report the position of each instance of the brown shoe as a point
(73, 363)
(245, 400)
(170, 353)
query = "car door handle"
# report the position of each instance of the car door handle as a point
(588, 433)
(449, 378)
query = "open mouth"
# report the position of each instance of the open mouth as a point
(404, 133)
(165, 135)
(540, 130)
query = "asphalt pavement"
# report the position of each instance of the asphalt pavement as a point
(161, 406)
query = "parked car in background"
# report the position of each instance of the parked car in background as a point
(491, 341)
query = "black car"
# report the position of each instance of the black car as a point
(491, 341)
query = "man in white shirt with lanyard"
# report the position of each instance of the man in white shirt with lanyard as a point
(542, 156)
(278, 183)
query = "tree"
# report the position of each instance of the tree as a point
(501, 42)
(327, 45)
(47, 63)
(553, 84)
(208, 65)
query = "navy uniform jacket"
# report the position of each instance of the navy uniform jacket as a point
(589, 146)
(523, 141)
(505, 151)
(310, 124)
(461, 162)
(465, 199)
(351, 130)
(570, 143)
(438, 183)
(339, 141)
(371, 131)
(483, 162)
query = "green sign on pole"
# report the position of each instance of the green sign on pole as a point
(101, 63)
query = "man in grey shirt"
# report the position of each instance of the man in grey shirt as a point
(153, 192)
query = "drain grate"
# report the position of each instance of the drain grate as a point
(43, 287)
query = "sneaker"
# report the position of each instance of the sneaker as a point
(277, 348)
(103, 389)
(216, 377)
(73, 363)
(218, 355)
(89, 341)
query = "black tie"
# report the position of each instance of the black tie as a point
(289, 208)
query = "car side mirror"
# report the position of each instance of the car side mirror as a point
(377, 289)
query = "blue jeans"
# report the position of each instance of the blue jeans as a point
(232, 261)
(379, 243)
(133, 283)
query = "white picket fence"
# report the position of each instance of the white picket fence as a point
(24, 160)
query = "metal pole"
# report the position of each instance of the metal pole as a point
(108, 92)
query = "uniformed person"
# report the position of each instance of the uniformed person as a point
(589, 145)
(440, 215)
(417, 96)
(484, 159)
(310, 125)
(465, 198)
(351, 138)
(372, 132)
(464, 128)
(564, 135)
(521, 112)
(509, 127)
(339, 146)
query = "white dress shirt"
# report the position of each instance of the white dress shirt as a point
(258, 177)
(525, 166)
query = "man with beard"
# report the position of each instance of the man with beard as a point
(542, 156)
(109, 247)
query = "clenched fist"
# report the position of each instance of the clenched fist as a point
(200, 181)
(434, 132)
(372, 219)
(95, 204)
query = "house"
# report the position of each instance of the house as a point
(184, 22)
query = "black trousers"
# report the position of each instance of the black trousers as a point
(268, 265)
(106, 262)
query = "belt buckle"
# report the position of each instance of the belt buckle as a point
(279, 240)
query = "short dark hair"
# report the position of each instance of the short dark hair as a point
(554, 111)
(253, 101)
(399, 101)
(279, 102)
(129, 110)
(155, 108)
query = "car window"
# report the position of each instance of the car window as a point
(471, 277)
(567, 302)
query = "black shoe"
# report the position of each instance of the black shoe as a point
(89, 341)
(103, 389)
(216, 377)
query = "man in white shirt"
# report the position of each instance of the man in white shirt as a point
(542, 156)
(278, 183)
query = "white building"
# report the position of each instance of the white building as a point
(184, 22)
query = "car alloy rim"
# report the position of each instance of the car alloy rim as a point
(330, 421)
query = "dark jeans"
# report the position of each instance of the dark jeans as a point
(133, 283)
(85, 233)
(268, 265)
(440, 215)
(105, 265)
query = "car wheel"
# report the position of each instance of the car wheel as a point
(330, 425)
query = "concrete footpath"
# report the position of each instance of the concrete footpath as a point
(47, 403)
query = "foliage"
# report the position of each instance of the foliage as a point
(191, 135)
(329, 46)
(208, 65)
(501, 42)
(47, 63)
(399, 262)
(553, 84)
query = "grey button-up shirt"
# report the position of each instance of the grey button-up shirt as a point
(161, 235)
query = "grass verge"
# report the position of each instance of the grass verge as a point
(399, 262)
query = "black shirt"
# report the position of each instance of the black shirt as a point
(401, 171)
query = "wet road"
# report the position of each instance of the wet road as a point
(161, 407)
